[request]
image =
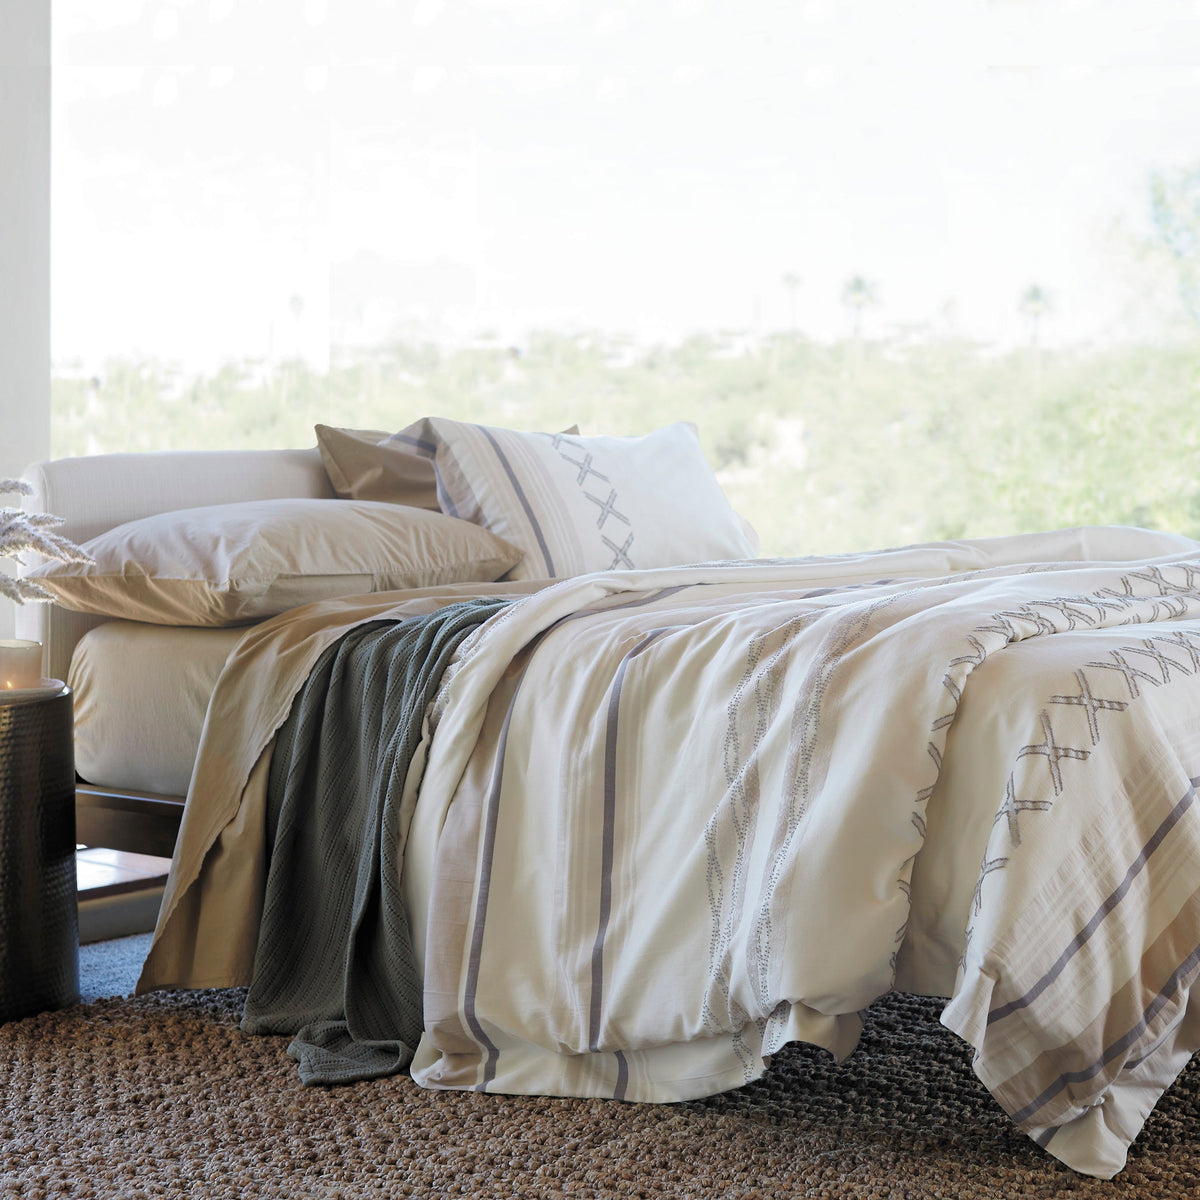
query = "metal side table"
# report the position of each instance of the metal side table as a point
(39, 940)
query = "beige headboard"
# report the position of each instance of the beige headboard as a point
(105, 490)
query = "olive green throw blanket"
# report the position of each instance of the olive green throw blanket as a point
(334, 964)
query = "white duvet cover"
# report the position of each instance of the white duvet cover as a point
(669, 821)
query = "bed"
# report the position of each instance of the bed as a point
(593, 823)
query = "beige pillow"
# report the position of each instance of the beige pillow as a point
(232, 563)
(369, 464)
(578, 504)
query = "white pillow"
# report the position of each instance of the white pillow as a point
(231, 563)
(576, 504)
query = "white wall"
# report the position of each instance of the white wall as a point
(24, 241)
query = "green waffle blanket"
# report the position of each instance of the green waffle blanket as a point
(334, 964)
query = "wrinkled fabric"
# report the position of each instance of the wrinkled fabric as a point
(334, 964)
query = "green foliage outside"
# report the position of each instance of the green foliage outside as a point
(824, 447)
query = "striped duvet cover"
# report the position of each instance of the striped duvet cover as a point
(669, 821)
(680, 818)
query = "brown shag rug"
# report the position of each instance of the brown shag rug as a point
(163, 1096)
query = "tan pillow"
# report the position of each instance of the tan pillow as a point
(369, 464)
(231, 563)
(577, 504)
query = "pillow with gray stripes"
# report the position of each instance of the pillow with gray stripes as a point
(577, 504)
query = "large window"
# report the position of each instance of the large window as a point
(916, 271)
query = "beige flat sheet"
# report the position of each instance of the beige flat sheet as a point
(208, 922)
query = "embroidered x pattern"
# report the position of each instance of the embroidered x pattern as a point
(1090, 705)
(607, 508)
(1053, 752)
(1012, 808)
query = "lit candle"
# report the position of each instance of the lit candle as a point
(20, 663)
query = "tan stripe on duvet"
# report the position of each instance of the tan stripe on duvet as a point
(1065, 1080)
(1110, 902)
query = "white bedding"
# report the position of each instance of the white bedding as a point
(141, 692)
(671, 820)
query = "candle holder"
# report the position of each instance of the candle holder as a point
(20, 664)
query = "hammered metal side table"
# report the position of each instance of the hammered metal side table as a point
(39, 939)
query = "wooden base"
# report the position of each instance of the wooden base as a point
(137, 822)
(127, 840)
(100, 872)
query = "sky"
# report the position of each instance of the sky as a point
(270, 177)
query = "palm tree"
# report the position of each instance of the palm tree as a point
(858, 294)
(1035, 303)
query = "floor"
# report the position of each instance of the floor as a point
(119, 892)
(111, 967)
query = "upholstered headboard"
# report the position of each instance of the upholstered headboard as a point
(98, 493)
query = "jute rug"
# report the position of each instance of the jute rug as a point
(163, 1096)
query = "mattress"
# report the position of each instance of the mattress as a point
(141, 693)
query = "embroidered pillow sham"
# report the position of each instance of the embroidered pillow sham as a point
(576, 504)
(231, 563)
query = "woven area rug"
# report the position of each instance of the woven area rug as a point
(163, 1096)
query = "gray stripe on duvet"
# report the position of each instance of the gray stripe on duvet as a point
(1106, 907)
(622, 1088)
(1185, 968)
(491, 820)
(609, 835)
